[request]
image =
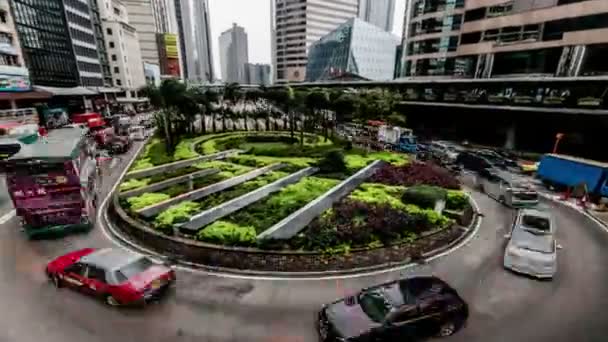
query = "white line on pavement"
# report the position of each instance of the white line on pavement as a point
(7, 217)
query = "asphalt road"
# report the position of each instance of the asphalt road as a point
(205, 308)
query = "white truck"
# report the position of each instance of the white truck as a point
(398, 138)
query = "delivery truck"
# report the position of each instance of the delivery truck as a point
(566, 171)
(398, 138)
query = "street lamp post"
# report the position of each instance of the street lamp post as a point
(558, 137)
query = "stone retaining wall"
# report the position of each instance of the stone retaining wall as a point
(168, 183)
(256, 260)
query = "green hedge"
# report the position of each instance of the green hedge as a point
(456, 200)
(146, 200)
(175, 214)
(228, 234)
(424, 196)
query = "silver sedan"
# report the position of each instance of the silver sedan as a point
(531, 252)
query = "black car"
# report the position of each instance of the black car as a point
(497, 159)
(402, 310)
(473, 161)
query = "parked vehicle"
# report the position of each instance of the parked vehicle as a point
(398, 138)
(472, 161)
(566, 171)
(506, 188)
(532, 248)
(401, 310)
(115, 275)
(53, 183)
(137, 133)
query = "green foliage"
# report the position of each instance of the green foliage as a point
(261, 161)
(184, 151)
(228, 234)
(430, 216)
(355, 160)
(424, 196)
(146, 200)
(333, 162)
(227, 195)
(227, 170)
(456, 200)
(263, 214)
(379, 194)
(174, 215)
(133, 184)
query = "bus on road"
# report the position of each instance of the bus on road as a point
(53, 183)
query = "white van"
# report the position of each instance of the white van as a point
(506, 188)
(137, 133)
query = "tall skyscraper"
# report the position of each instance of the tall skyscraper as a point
(378, 12)
(296, 24)
(195, 38)
(46, 44)
(234, 54)
(487, 38)
(122, 43)
(156, 24)
(258, 74)
(84, 39)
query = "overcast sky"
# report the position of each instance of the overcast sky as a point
(254, 16)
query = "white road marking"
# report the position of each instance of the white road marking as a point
(7, 217)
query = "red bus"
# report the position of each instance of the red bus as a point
(97, 126)
(53, 183)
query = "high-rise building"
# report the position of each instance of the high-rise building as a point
(14, 76)
(488, 38)
(122, 44)
(153, 19)
(80, 23)
(258, 74)
(355, 49)
(101, 44)
(296, 24)
(195, 38)
(46, 44)
(234, 54)
(378, 12)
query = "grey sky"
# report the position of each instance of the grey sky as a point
(254, 16)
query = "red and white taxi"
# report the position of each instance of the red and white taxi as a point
(117, 276)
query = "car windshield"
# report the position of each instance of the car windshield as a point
(537, 223)
(375, 304)
(134, 268)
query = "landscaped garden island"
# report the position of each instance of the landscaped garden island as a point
(281, 199)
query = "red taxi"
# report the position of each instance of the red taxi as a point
(117, 276)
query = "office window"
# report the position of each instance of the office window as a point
(114, 59)
(111, 45)
(3, 17)
(118, 82)
(116, 11)
(116, 70)
(109, 31)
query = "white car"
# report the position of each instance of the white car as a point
(532, 248)
(137, 133)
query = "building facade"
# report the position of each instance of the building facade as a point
(46, 44)
(195, 40)
(122, 44)
(489, 38)
(84, 40)
(234, 54)
(357, 49)
(296, 24)
(378, 12)
(101, 44)
(14, 76)
(258, 74)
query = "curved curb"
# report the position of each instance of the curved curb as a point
(571, 206)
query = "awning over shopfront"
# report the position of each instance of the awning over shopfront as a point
(75, 91)
(25, 95)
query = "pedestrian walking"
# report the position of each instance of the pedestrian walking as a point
(43, 133)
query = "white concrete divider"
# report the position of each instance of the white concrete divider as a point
(208, 190)
(294, 223)
(204, 218)
(179, 164)
(169, 182)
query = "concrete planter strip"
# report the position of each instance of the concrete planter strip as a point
(208, 216)
(294, 223)
(168, 183)
(179, 165)
(208, 190)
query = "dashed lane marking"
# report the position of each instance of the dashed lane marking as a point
(7, 217)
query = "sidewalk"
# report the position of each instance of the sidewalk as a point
(600, 216)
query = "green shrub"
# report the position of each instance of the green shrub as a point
(261, 161)
(133, 184)
(456, 200)
(358, 159)
(227, 169)
(430, 216)
(146, 200)
(184, 151)
(174, 215)
(228, 234)
(424, 196)
(374, 193)
(333, 162)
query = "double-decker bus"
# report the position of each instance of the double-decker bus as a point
(53, 183)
